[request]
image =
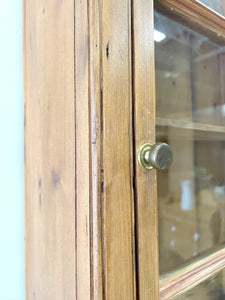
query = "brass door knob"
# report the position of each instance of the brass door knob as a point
(158, 156)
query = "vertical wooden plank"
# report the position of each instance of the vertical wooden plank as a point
(96, 151)
(146, 192)
(118, 226)
(82, 150)
(49, 149)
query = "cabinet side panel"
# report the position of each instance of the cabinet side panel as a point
(49, 149)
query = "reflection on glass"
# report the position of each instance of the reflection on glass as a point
(190, 117)
(210, 289)
(216, 5)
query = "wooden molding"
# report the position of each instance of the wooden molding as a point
(196, 15)
(191, 275)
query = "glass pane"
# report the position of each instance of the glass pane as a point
(216, 5)
(190, 117)
(210, 289)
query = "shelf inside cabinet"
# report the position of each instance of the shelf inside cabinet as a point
(192, 130)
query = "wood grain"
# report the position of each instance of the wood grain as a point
(207, 290)
(82, 151)
(191, 275)
(96, 151)
(197, 16)
(49, 149)
(144, 130)
(67, 256)
(118, 210)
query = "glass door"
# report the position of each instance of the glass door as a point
(185, 102)
(190, 117)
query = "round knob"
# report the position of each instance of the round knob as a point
(158, 156)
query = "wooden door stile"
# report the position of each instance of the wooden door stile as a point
(117, 187)
(144, 130)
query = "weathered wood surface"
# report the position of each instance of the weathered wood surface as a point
(49, 149)
(144, 131)
(118, 210)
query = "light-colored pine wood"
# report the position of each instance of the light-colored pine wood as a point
(118, 210)
(95, 143)
(82, 151)
(144, 118)
(189, 10)
(211, 288)
(197, 16)
(79, 194)
(49, 149)
(80, 235)
(191, 275)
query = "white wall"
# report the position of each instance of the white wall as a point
(11, 152)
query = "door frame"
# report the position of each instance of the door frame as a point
(202, 19)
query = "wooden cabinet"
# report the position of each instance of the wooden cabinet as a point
(98, 85)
